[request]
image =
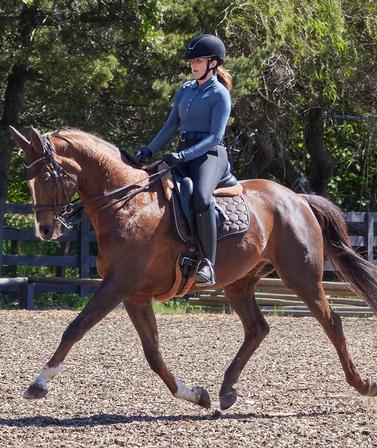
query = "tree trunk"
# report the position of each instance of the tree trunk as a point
(266, 157)
(322, 164)
(287, 174)
(14, 92)
(13, 100)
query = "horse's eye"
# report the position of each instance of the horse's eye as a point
(47, 177)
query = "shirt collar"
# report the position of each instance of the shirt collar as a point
(207, 84)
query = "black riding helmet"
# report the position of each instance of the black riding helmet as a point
(206, 46)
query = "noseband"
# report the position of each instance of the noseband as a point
(67, 214)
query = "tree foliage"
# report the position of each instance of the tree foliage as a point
(112, 67)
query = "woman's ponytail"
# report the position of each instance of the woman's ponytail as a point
(225, 78)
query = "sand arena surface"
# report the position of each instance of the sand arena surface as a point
(291, 394)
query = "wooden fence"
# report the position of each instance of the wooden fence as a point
(271, 293)
(273, 297)
(83, 261)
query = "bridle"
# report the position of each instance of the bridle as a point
(69, 213)
(57, 173)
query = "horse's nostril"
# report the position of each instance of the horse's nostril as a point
(45, 230)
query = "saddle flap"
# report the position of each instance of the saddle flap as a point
(232, 209)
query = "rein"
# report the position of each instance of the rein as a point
(66, 213)
(81, 204)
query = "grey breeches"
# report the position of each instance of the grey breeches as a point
(206, 172)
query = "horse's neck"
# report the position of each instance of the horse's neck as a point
(101, 172)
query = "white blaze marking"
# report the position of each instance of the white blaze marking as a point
(47, 374)
(31, 183)
(185, 393)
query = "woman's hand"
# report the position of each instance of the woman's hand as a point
(173, 158)
(143, 155)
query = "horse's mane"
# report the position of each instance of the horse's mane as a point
(75, 137)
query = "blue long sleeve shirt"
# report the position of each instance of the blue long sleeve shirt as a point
(197, 108)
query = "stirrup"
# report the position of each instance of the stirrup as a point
(201, 278)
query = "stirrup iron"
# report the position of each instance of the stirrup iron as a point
(201, 278)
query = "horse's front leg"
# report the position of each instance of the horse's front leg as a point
(106, 298)
(143, 318)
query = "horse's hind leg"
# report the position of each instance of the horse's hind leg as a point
(142, 315)
(303, 276)
(241, 297)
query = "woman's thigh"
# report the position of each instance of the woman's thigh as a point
(206, 172)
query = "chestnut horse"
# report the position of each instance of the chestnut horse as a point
(289, 233)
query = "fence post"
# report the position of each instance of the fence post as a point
(27, 296)
(84, 270)
(370, 235)
(2, 213)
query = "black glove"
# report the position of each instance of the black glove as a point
(143, 155)
(173, 158)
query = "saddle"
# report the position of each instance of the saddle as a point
(233, 217)
(231, 208)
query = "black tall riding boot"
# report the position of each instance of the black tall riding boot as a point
(206, 227)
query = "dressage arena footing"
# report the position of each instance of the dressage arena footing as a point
(292, 393)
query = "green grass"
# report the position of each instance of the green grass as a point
(72, 301)
(58, 300)
(175, 306)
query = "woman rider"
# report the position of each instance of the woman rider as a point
(201, 111)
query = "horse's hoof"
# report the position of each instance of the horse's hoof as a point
(204, 399)
(228, 399)
(35, 391)
(372, 392)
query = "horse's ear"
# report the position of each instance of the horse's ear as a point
(22, 141)
(36, 140)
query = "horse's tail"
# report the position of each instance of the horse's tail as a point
(351, 267)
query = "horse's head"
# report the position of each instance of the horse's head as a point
(52, 182)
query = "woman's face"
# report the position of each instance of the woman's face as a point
(199, 67)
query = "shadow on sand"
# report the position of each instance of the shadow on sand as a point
(114, 419)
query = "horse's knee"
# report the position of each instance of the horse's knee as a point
(336, 321)
(265, 329)
(71, 334)
(257, 332)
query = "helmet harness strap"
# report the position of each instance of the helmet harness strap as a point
(214, 69)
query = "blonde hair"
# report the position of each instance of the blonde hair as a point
(225, 78)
